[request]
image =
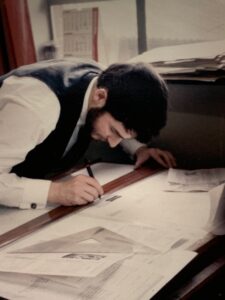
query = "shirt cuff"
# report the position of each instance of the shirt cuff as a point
(35, 193)
(131, 146)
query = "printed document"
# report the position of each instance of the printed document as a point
(194, 180)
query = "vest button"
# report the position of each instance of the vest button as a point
(33, 205)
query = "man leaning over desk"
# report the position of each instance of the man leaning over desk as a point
(50, 110)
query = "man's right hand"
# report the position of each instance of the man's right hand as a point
(78, 190)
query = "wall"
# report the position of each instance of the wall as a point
(183, 21)
(168, 22)
(40, 22)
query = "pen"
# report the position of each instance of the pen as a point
(91, 174)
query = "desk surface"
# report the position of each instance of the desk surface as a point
(152, 207)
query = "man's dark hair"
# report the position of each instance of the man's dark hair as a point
(137, 96)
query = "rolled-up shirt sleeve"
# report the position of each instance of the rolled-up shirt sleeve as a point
(29, 111)
(131, 146)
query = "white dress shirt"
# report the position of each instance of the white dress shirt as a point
(29, 112)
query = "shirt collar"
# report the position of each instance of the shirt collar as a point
(84, 110)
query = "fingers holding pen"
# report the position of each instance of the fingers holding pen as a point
(93, 185)
(78, 190)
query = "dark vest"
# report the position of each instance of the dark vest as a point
(69, 80)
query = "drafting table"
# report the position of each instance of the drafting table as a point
(155, 207)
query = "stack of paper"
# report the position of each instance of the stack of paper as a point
(216, 221)
(198, 61)
(194, 180)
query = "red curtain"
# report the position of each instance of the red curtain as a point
(16, 40)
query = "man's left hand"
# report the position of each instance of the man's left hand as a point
(164, 158)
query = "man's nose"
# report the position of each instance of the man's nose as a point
(113, 141)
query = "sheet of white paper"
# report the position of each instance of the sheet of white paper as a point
(216, 222)
(186, 51)
(146, 202)
(194, 180)
(64, 264)
(170, 263)
(137, 278)
(141, 278)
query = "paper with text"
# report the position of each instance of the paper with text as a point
(194, 180)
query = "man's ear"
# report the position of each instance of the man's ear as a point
(99, 97)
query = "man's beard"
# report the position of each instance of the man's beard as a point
(92, 116)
